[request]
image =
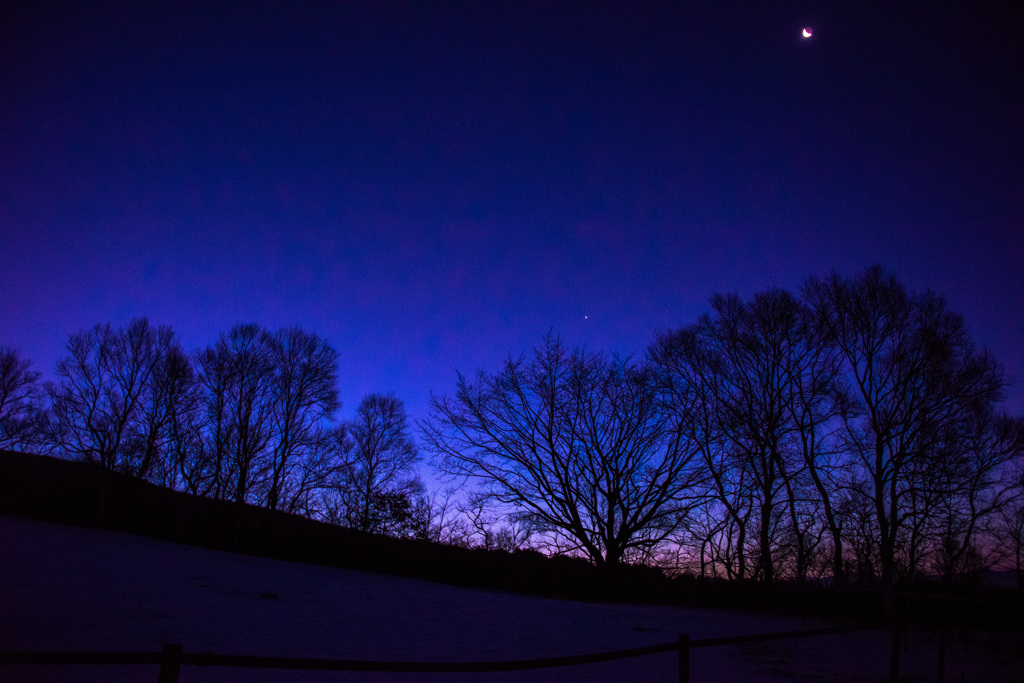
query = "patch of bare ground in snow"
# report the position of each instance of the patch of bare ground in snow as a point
(67, 588)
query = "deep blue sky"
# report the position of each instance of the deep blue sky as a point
(433, 186)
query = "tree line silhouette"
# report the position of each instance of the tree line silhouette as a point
(249, 419)
(850, 433)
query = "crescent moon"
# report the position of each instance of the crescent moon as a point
(808, 33)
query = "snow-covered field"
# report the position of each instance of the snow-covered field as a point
(66, 588)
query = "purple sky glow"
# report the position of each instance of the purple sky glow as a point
(433, 186)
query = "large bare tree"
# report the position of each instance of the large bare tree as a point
(759, 381)
(114, 394)
(166, 398)
(915, 377)
(305, 396)
(237, 374)
(691, 376)
(753, 341)
(577, 443)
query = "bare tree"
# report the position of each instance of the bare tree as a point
(313, 475)
(20, 399)
(762, 382)
(238, 376)
(698, 547)
(438, 517)
(379, 466)
(978, 479)
(915, 374)
(574, 442)
(188, 447)
(113, 396)
(691, 380)
(305, 396)
(755, 343)
(1008, 533)
(859, 528)
(168, 393)
(815, 401)
(491, 529)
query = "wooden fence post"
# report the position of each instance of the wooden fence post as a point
(684, 658)
(170, 663)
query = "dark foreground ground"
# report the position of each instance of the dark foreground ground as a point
(64, 587)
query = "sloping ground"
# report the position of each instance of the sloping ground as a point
(64, 587)
(53, 490)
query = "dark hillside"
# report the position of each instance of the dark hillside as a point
(83, 494)
(77, 493)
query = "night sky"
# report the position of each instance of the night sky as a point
(432, 186)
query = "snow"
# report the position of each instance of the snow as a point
(67, 588)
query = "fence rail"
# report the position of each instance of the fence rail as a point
(172, 657)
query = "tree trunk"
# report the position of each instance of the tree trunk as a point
(767, 570)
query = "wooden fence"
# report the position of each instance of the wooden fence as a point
(172, 657)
